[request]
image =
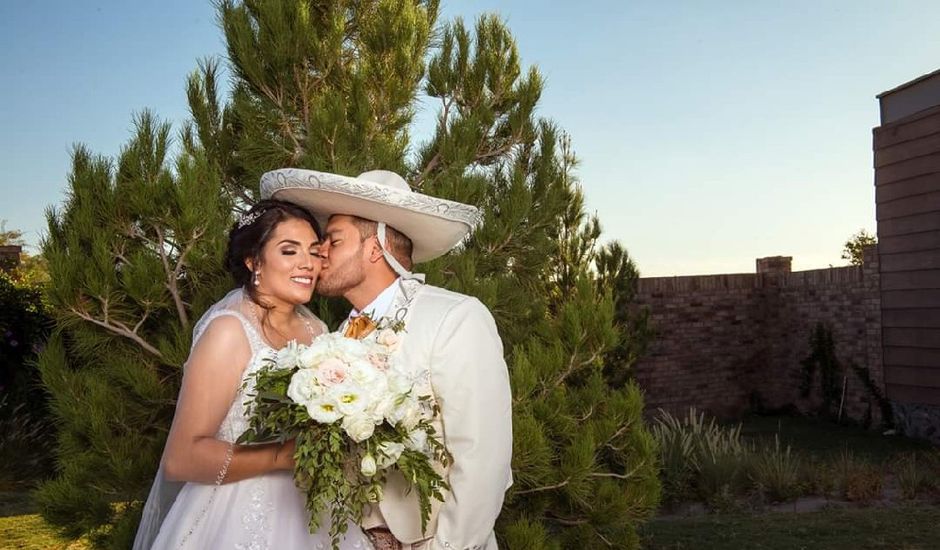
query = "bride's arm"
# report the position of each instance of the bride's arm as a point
(210, 381)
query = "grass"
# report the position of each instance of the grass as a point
(22, 528)
(912, 527)
(30, 532)
(829, 459)
(826, 439)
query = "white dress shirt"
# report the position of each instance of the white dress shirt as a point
(379, 307)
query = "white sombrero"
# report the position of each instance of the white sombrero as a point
(434, 225)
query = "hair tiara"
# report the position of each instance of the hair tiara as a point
(248, 218)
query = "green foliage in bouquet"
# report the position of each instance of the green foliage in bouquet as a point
(342, 467)
(334, 86)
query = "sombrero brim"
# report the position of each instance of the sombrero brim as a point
(434, 225)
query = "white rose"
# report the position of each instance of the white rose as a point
(417, 440)
(349, 349)
(389, 453)
(288, 357)
(407, 412)
(368, 466)
(379, 361)
(413, 415)
(398, 381)
(303, 387)
(311, 356)
(363, 372)
(389, 338)
(383, 406)
(359, 427)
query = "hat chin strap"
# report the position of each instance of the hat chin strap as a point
(392, 262)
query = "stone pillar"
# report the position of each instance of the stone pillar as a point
(871, 276)
(10, 257)
(774, 264)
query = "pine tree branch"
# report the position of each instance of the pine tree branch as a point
(617, 434)
(603, 538)
(172, 275)
(497, 152)
(627, 475)
(566, 521)
(116, 327)
(436, 159)
(573, 365)
(586, 416)
(432, 164)
(302, 79)
(545, 488)
(608, 474)
(141, 322)
(492, 251)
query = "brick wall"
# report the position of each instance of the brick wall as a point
(723, 340)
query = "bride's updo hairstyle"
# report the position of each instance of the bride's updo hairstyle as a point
(252, 231)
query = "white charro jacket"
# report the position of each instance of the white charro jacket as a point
(451, 341)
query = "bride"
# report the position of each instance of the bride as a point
(209, 492)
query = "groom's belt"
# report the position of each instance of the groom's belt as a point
(383, 539)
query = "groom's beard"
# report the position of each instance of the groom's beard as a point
(337, 279)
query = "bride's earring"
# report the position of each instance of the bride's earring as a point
(255, 279)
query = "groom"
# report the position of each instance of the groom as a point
(376, 229)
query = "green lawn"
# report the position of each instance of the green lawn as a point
(909, 527)
(22, 528)
(901, 526)
(30, 532)
(825, 439)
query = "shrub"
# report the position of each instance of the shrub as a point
(699, 457)
(819, 477)
(26, 439)
(676, 458)
(858, 480)
(913, 475)
(722, 463)
(24, 325)
(776, 472)
(25, 445)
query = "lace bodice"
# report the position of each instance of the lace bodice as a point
(237, 305)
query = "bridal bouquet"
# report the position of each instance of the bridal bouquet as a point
(355, 414)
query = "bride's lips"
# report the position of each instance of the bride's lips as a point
(303, 281)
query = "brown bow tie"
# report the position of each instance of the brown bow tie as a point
(359, 327)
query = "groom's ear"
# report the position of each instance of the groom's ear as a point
(375, 251)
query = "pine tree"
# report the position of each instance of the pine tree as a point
(135, 257)
(333, 86)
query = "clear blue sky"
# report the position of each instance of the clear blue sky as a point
(710, 133)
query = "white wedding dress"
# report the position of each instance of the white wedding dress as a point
(259, 513)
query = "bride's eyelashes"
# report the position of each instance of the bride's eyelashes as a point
(314, 253)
